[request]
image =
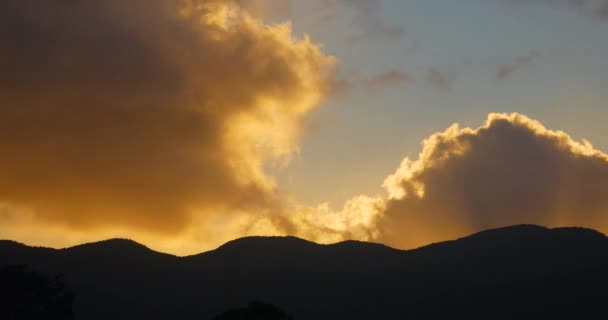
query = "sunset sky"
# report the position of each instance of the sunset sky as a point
(185, 124)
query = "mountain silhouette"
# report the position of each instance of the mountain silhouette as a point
(525, 271)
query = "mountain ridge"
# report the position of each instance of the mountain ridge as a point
(529, 269)
(249, 239)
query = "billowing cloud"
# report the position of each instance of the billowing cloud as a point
(356, 220)
(159, 120)
(148, 116)
(512, 170)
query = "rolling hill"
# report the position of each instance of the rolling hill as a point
(522, 271)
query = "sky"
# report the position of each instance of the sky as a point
(185, 124)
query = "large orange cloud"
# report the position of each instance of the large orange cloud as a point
(512, 170)
(157, 120)
(146, 115)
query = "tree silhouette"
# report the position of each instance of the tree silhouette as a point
(26, 294)
(255, 311)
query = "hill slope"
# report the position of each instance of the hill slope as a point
(521, 271)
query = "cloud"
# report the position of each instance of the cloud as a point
(341, 86)
(387, 78)
(438, 80)
(597, 9)
(272, 10)
(158, 121)
(506, 69)
(356, 220)
(151, 116)
(512, 170)
(367, 17)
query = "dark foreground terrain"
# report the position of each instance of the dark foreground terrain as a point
(520, 272)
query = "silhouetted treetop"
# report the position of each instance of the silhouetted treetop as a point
(26, 295)
(255, 311)
(519, 272)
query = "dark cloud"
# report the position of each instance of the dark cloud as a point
(597, 9)
(341, 86)
(438, 80)
(147, 115)
(506, 69)
(367, 18)
(510, 171)
(268, 10)
(385, 79)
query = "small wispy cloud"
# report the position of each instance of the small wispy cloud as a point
(506, 69)
(367, 19)
(597, 9)
(438, 80)
(385, 79)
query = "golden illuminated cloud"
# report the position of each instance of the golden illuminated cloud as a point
(146, 116)
(356, 220)
(510, 171)
(158, 120)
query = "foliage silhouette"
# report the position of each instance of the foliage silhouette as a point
(255, 311)
(26, 295)
(519, 272)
